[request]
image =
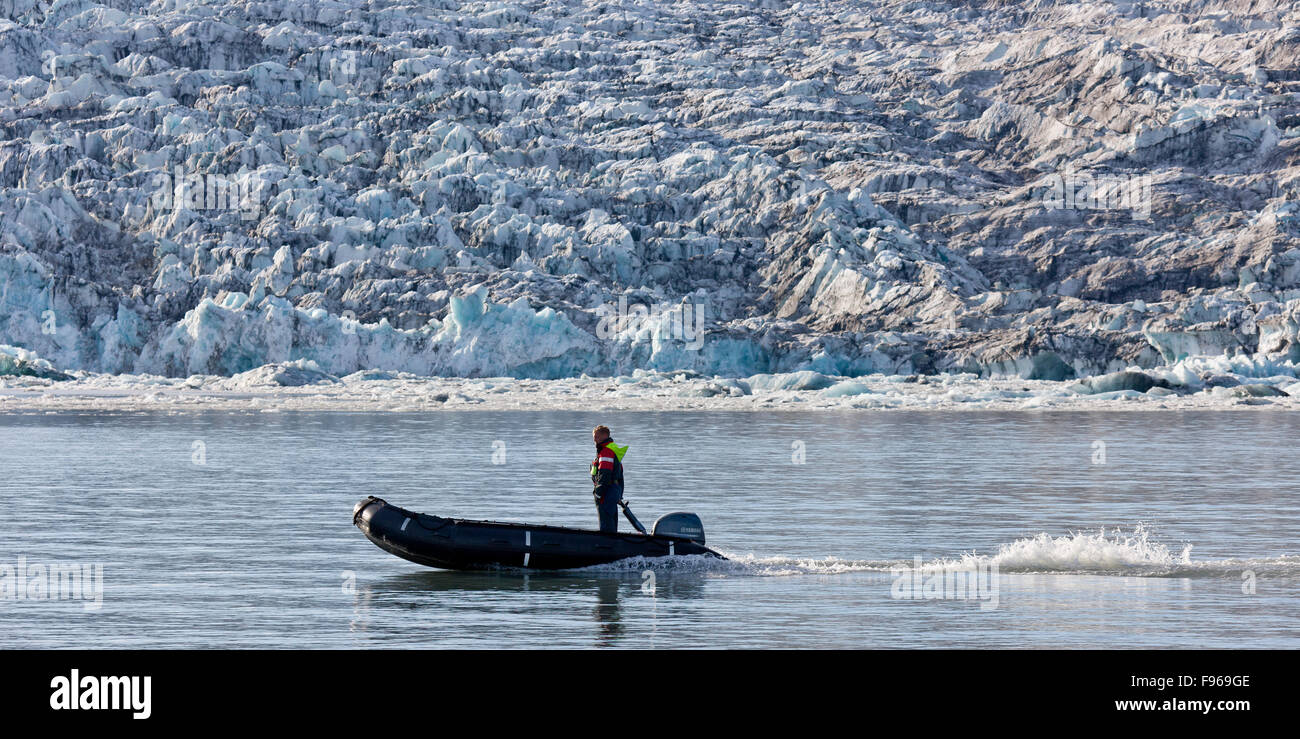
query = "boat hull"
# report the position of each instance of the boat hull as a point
(459, 544)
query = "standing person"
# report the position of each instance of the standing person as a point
(607, 478)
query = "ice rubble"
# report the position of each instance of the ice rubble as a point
(303, 385)
(840, 190)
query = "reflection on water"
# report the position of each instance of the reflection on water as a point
(670, 585)
(606, 612)
(600, 594)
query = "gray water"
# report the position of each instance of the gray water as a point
(234, 530)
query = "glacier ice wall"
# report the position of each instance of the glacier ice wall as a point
(549, 188)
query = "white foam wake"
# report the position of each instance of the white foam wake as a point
(1083, 552)
(1116, 553)
(744, 564)
(1101, 552)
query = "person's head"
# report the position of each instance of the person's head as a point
(599, 434)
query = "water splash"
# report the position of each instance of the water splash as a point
(1081, 551)
(1099, 552)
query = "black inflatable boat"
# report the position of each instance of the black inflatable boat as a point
(459, 544)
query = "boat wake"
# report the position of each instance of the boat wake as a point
(1112, 552)
(1101, 552)
(743, 564)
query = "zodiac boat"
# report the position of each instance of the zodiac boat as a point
(460, 544)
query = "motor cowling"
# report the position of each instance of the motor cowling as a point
(680, 525)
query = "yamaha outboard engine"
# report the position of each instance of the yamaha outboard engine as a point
(681, 525)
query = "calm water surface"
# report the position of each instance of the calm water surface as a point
(254, 547)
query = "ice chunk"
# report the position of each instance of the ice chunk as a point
(805, 380)
(284, 374)
(1140, 382)
(15, 361)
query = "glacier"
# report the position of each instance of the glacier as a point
(808, 202)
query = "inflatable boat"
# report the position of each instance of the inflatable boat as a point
(460, 544)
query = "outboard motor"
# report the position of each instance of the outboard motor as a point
(681, 525)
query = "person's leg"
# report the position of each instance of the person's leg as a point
(608, 515)
(614, 498)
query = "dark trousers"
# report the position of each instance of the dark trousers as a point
(608, 510)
